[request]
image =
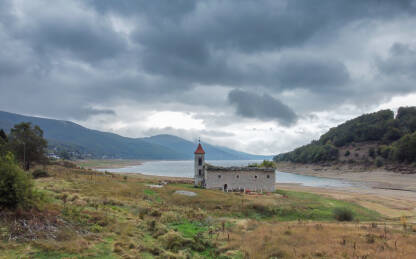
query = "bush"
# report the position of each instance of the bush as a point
(39, 174)
(372, 152)
(343, 214)
(16, 187)
(379, 162)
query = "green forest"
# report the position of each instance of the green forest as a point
(395, 138)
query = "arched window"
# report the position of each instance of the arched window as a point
(200, 161)
(237, 176)
(200, 172)
(219, 176)
(268, 176)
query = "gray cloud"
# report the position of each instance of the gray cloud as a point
(64, 59)
(263, 107)
(400, 62)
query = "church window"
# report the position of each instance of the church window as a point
(237, 176)
(255, 177)
(219, 176)
(200, 161)
(268, 176)
(200, 172)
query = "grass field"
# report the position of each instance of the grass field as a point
(103, 215)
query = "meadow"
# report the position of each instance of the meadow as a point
(88, 214)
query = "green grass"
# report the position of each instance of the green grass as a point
(189, 229)
(152, 194)
(308, 206)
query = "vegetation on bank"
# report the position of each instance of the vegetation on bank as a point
(392, 139)
(264, 164)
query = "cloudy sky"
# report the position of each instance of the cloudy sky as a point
(260, 76)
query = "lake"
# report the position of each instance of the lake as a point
(186, 169)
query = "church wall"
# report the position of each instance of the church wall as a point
(241, 179)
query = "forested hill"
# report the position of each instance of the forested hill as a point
(377, 138)
(65, 137)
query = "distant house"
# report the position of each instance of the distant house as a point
(232, 178)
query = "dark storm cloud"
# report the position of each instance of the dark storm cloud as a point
(263, 107)
(87, 38)
(75, 55)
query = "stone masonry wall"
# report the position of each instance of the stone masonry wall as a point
(241, 178)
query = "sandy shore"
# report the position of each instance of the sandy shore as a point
(376, 179)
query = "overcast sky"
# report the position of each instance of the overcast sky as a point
(260, 76)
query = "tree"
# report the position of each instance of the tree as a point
(28, 144)
(3, 142)
(16, 187)
(3, 136)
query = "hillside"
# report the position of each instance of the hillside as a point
(372, 139)
(82, 142)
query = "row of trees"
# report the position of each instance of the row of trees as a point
(311, 153)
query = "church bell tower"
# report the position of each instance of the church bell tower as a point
(199, 166)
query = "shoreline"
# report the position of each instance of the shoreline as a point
(107, 163)
(375, 179)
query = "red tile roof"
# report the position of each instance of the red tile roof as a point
(199, 150)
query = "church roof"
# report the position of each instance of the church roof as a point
(199, 150)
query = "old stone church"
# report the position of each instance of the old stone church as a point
(232, 178)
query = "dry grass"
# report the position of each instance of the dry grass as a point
(328, 240)
(111, 216)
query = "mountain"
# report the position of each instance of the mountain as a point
(87, 143)
(212, 152)
(377, 138)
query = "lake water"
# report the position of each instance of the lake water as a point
(186, 169)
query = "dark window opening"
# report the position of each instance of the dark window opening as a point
(200, 172)
(255, 176)
(268, 176)
(219, 176)
(238, 176)
(200, 161)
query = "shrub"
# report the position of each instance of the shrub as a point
(174, 241)
(67, 164)
(379, 162)
(16, 187)
(39, 174)
(372, 152)
(343, 214)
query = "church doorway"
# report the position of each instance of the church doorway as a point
(225, 187)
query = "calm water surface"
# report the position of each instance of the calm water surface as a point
(186, 169)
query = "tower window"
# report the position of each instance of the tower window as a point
(255, 177)
(268, 176)
(200, 161)
(219, 176)
(237, 176)
(200, 172)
